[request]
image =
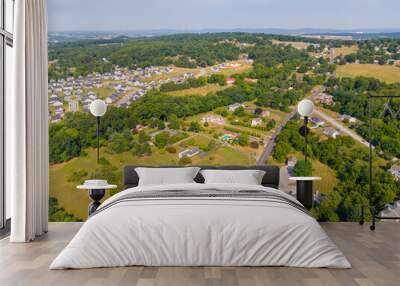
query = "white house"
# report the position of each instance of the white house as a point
(349, 118)
(234, 106)
(331, 132)
(57, 104)
(73, 106)
(213, 119)
(256, 122)
(395, 171)
(189, 152)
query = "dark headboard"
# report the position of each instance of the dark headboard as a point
(271, 178)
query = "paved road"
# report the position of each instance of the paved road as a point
(338, 125)
(269, 147)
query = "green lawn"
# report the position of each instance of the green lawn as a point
(76, 201)
(329, 180)
(328, 175)
(102, 92)
(389, 74)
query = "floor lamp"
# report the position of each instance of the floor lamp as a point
(98, 108)
(305, 109)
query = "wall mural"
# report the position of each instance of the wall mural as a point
(221, 99)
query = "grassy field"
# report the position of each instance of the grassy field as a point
(297, 45)
(204, 90)
(329, 180)
(328, 175)
(389, 74)
(345, 50)
(243, 66)
(102, 92)
(76, 201)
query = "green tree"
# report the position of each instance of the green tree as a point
(162, 139)
(194, 127)
(143, 137)
(243, 139)
(118, 143)
(303, 169)
(174, 122)
(185, 161)
(271, 124)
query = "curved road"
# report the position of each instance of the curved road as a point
(269, 147)
(332, 121)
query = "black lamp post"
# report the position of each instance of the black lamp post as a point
(305, 108)
(98, 108)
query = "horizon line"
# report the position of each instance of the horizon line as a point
(327, 30)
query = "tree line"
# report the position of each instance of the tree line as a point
(351, 167)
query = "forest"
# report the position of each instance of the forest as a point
(351, 166)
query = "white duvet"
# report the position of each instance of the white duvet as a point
(200, 231)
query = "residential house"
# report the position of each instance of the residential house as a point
(230, 80)
(331, 132)
(395, 171)
(213, 119)
(256, 122)
(326, 99)
(318, 122)
(234, 106)
(265, 113)
(189, 153)
(73, 106)
(291, 161)
(57, 104)
(56, 118)
(348, 118)
(59, 110)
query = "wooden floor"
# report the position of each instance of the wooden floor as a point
(375, 257)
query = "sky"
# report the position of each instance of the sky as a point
(107, 15)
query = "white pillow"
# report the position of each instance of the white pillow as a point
(166, 176)
(247, 177)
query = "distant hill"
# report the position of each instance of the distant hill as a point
(355, 34)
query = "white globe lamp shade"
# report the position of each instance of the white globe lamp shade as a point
(98, 108)
(305, 107)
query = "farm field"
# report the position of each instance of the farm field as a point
(204, 90)
(297, 45)
(389, 74)
(232, 67)
(345, 50)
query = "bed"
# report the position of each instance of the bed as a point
(198, 224)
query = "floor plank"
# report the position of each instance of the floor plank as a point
(375, 257)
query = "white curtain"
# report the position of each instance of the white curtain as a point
(27, 124)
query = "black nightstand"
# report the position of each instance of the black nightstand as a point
(304, 190)
(96, 193)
